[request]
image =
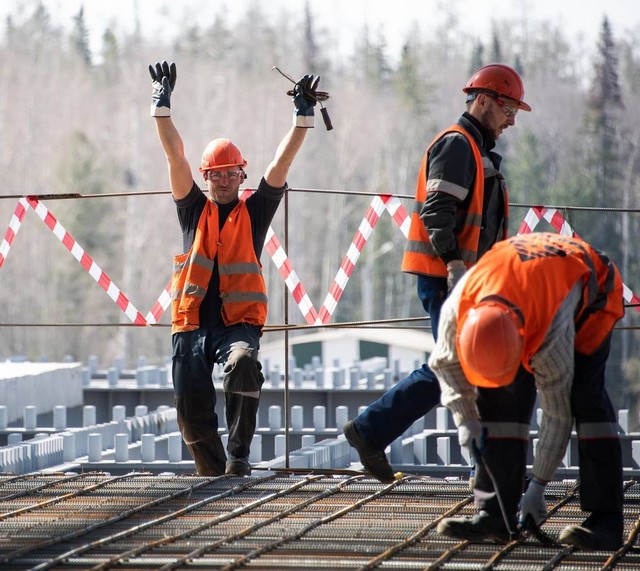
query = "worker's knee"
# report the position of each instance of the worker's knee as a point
(242, 373)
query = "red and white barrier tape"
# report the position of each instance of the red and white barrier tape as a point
(557, 221)
(155, 313)
(12, 230)
(371, 218)
(279, 257)
(86, 262)
(285, 268)
(281, 261)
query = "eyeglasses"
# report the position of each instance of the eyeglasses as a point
(231, 175)
(508, 109)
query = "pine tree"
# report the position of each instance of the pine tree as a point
(604, 107)
(80, 37)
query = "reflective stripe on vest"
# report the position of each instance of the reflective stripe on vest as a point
(419, 255)
(242, 287)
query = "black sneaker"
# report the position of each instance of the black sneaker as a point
(600, 532)
(373, 459)
(480, 527)
(238, 467)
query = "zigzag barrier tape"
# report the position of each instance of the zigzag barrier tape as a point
(558, 223)
(378, 205)
(12, 230)
(155, 313)
(86, 262)
(283, 264)
(372, 216)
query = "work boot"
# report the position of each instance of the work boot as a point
(480, 527)
(373, 459)
(237, 467)
(601, 531)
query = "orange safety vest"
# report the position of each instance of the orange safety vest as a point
(242, 287)
(419, 255)
(534, 273)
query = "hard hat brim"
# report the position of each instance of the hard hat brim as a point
(494, 383)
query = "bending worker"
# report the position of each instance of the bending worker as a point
(538, 308)
(219, 301)
(460, 211)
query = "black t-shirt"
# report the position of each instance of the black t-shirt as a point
(261, 206)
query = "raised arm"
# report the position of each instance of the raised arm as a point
(304, 101)
(164, 77)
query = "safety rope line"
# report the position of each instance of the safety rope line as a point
(76, 195)
(381, 324)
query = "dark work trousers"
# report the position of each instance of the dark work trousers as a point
(395, 411)
(505, 411)
(194, 355)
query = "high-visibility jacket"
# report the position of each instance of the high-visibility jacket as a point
(419, 255)
(242, 288)
(533, 274)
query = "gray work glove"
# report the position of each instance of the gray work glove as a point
(472, 436)
(163, 77)
(532, 503)
(304, 100)
(455, 270)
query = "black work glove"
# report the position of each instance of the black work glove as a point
(164, 77)
(304, 99)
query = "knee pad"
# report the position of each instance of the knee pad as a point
(242, 373)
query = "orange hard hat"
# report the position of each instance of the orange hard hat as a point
(221, 154)
(501, 79)
(490, 345)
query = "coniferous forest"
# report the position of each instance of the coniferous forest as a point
(75, 121)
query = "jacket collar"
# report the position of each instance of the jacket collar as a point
(477, 131)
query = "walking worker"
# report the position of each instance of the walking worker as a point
(536, 312)
(461, 210)
(219, 301)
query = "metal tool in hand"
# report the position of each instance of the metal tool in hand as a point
(477, 454)
(319, 96)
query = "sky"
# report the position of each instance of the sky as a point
(580, 19)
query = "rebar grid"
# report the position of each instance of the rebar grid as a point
(275, 521)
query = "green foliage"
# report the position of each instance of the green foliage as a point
(525, 171)
(477, 57)
(410, 81)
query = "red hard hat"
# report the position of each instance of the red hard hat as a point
(221, 154)
(490, 345)
(500, 79)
